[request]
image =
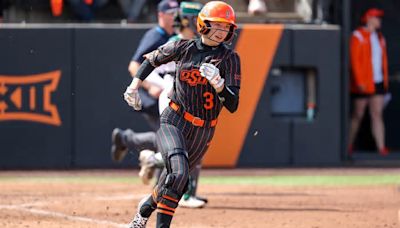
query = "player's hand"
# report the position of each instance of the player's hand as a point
(211, 72)
(208, 71)
(132, 97)
(218, 83)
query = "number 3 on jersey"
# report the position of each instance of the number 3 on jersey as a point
(209, 100)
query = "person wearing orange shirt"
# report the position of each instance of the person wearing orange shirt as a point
(369, 77)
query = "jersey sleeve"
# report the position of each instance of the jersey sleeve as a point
(232, 70)
(166, 53)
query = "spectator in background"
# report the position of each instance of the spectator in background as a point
(85, 9)
(369, 77)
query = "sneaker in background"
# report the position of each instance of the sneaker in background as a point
(148, 165)
(191, 202)
(118, 149)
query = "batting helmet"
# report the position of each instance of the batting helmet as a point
(187, 15)
(216, 11)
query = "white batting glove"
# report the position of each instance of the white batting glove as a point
(132, 97)
(218, 83)
(209, 71)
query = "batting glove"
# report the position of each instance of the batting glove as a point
(208, 71)
(211, 72)
(218, 83)
(132, 97)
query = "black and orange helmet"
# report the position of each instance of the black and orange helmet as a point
(216, 11)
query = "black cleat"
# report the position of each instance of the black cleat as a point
(118, 149)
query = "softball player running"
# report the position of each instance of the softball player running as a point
(207, 78)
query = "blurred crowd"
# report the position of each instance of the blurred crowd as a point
(145, 11)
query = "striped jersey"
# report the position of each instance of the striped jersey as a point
(192, 91)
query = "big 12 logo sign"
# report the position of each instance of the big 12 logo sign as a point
(28, 98)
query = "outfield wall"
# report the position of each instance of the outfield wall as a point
(61, 92)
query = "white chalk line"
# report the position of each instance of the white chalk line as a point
(27, 208)
(61, 215)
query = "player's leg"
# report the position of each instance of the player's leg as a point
(151, 164)
(172, 182)
(194, 178)
(125, 140)
(190, 199)
(197, 146)
(376, 103)
(171, 187)
(359, 105)
(140, 140)
(147, 206)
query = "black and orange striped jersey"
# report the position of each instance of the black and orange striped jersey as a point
(192, 91)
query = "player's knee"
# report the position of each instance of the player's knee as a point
(177, 181)
(179, 176)
(177, 151)
(182, 175)
(177, 163)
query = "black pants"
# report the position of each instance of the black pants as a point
(177, 134)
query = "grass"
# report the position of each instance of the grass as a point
(325, 180)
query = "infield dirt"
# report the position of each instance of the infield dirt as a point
(51, 202)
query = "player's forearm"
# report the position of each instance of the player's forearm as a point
(230, 97)
(144, 70)
(133, 68)
(135, 84)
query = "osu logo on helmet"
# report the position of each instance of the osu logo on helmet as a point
(216, 11)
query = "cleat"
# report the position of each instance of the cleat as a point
(139, 221)
(192, 202)
(118, 149)
(148, 166)
(205, 200)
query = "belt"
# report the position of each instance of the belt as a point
(196, 121)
